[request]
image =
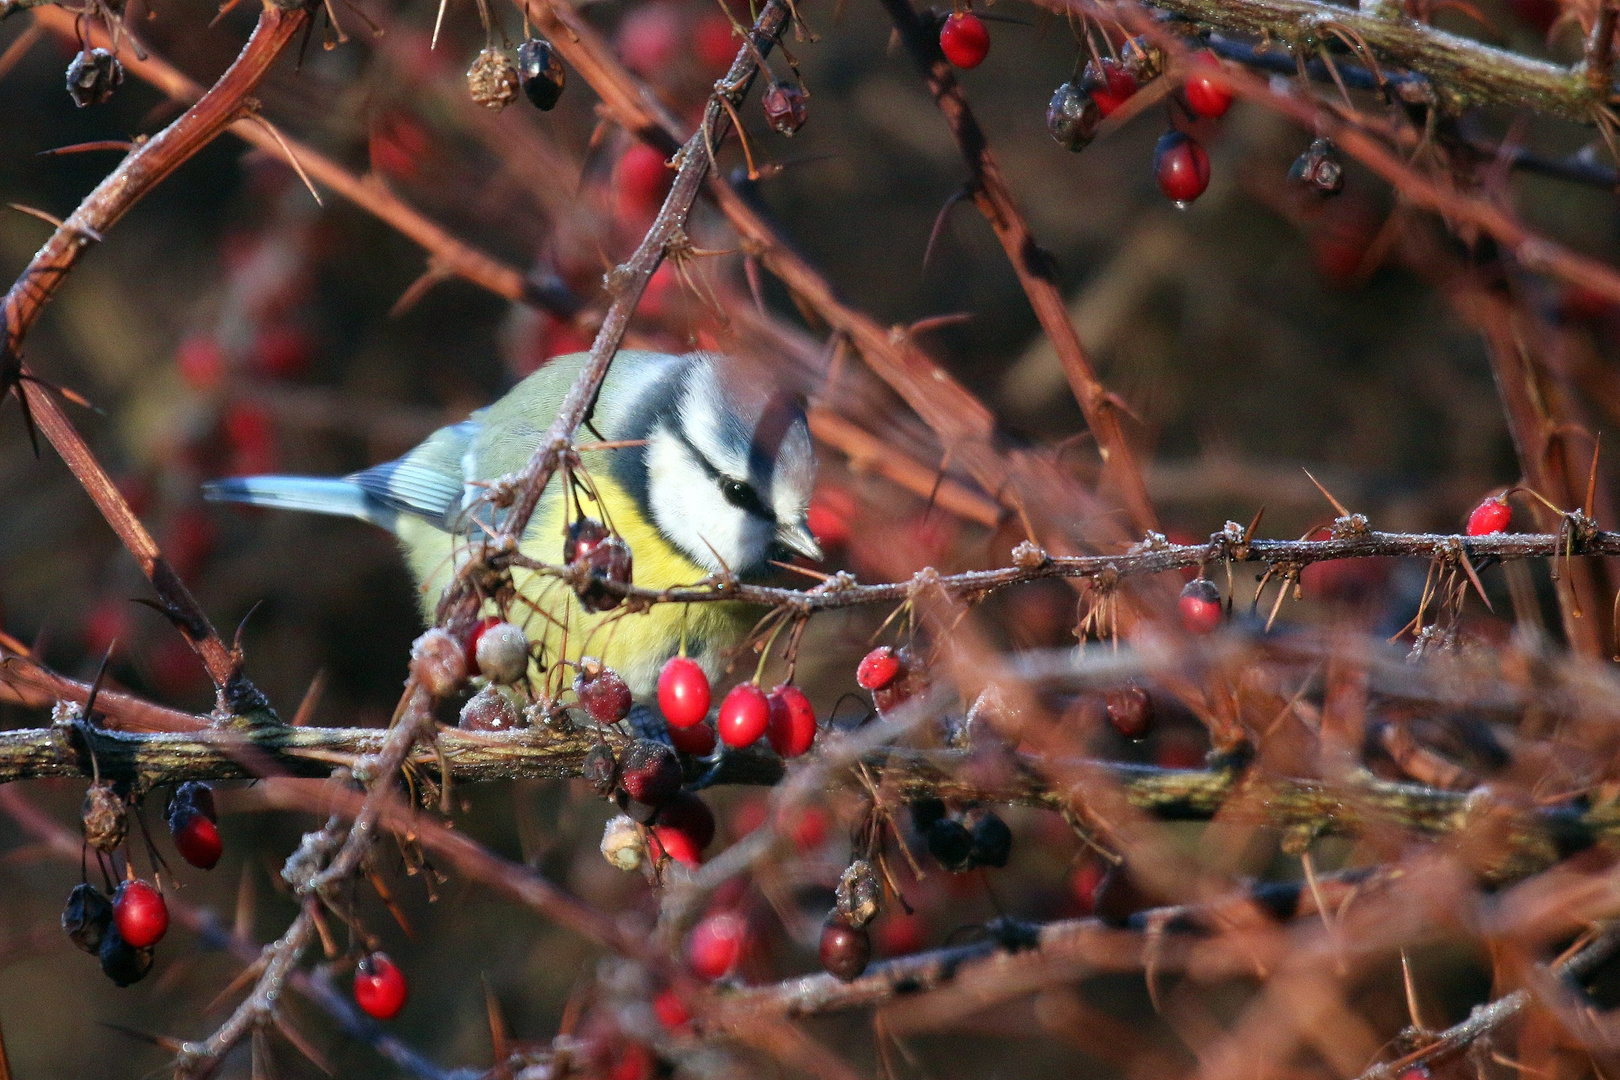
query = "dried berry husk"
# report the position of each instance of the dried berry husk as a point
(1072, 117)
(1130, 710)
(92, 76)
(540, 72)
(601, 771)
(1143, 59)
(87, 916)
(1319, 168)
(649, 772)
(489, 710)
(845, 949)
(105, 816)
(992, 840)
(193, 795)
(122, 962)
(859, 894)
(608, 560)
(622, 844)
(602, 691)
(951, 844)
(493, 79)
(785, 108)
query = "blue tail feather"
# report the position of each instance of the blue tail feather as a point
(317, 494)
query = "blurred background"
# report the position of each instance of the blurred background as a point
(231, 325)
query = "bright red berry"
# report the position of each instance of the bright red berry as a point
(1109, 84)
(478, 631)
(140, 914)
(685, 827)
(1490, 516)
(1200, 606)
(671, 1010)
(716, 945)
(878, 668)
(379, 987)
(793, 721)
(697, 740)
(683, 692)
(744, 715)
(964, 40)
(196, 838)
(1205, 96)
(642, 182)
(1181, 167)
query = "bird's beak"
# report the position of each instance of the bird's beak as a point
(797, 539)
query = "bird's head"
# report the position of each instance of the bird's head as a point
(730, 470)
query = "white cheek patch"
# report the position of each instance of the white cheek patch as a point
(688, 508)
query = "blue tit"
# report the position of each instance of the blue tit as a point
(717, 477)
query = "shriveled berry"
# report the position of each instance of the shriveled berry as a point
(104, 813)
(610, 561)
(716, 944)
(950, 844)
(684, 827)
(603, 692)
(964, 40)
(122, 962)
(785, 108)
(745, 713)
(859, 894)
(489, 710)
(140, 914)
(622, 844)
(1181, 167)
(649, 772)
(582, 538)
(92, 76)
(87, 917)
(1130, 710)
(1108, 84)
(845, 950)
(196, 795)
(793, 721)
(1142, 59)
(540, 72)
(480, 628)
(697, 740)
(1072, 117)
(1206, 97)
(1200, 606)
(992, 840)
(683, 692)
(196, 838)
(600, 770)
(878, 668)
(1319, 168)
(493, 79)
(502, 653)
(1491, 516)
(379, 987)
(440, 663)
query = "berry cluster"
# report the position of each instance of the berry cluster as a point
(960, 840)
(784, 717)
(494, 79)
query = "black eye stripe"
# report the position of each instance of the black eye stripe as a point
(738, 493)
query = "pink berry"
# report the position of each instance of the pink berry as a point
(683, 692)
(793, 721)
(716, 945)
(379, 987)
(878, 668)
(964, 40)
(744, 715)
(1200, 606)
(1491, 516)
(1181, 167)
(1206, 97)
(140, 914)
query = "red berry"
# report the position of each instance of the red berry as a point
(697, 740)
(478, 631)
(1490, 516)
(831, 509)
(603, 692)
(1108, 83)
(683, 692)
(671, 1010)
(1084, 882)
(196, 838)
(201, 362)
(649, 772)
(807, 828)
(641, 181)
(1205, 96)
(964, 40)
(716, 945)
(845, 951)
(677, 845)
(1130, 710)
(714, 44)
(685, 827)
(1181, 167)
(793, 721)
(282, 352)
(878, 668)
(744, 715)
(1200, 606)
(649, 39)
(379, 987)
(140, 914)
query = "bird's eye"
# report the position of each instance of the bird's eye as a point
(744, 497)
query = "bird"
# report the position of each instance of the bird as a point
(703, 469)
